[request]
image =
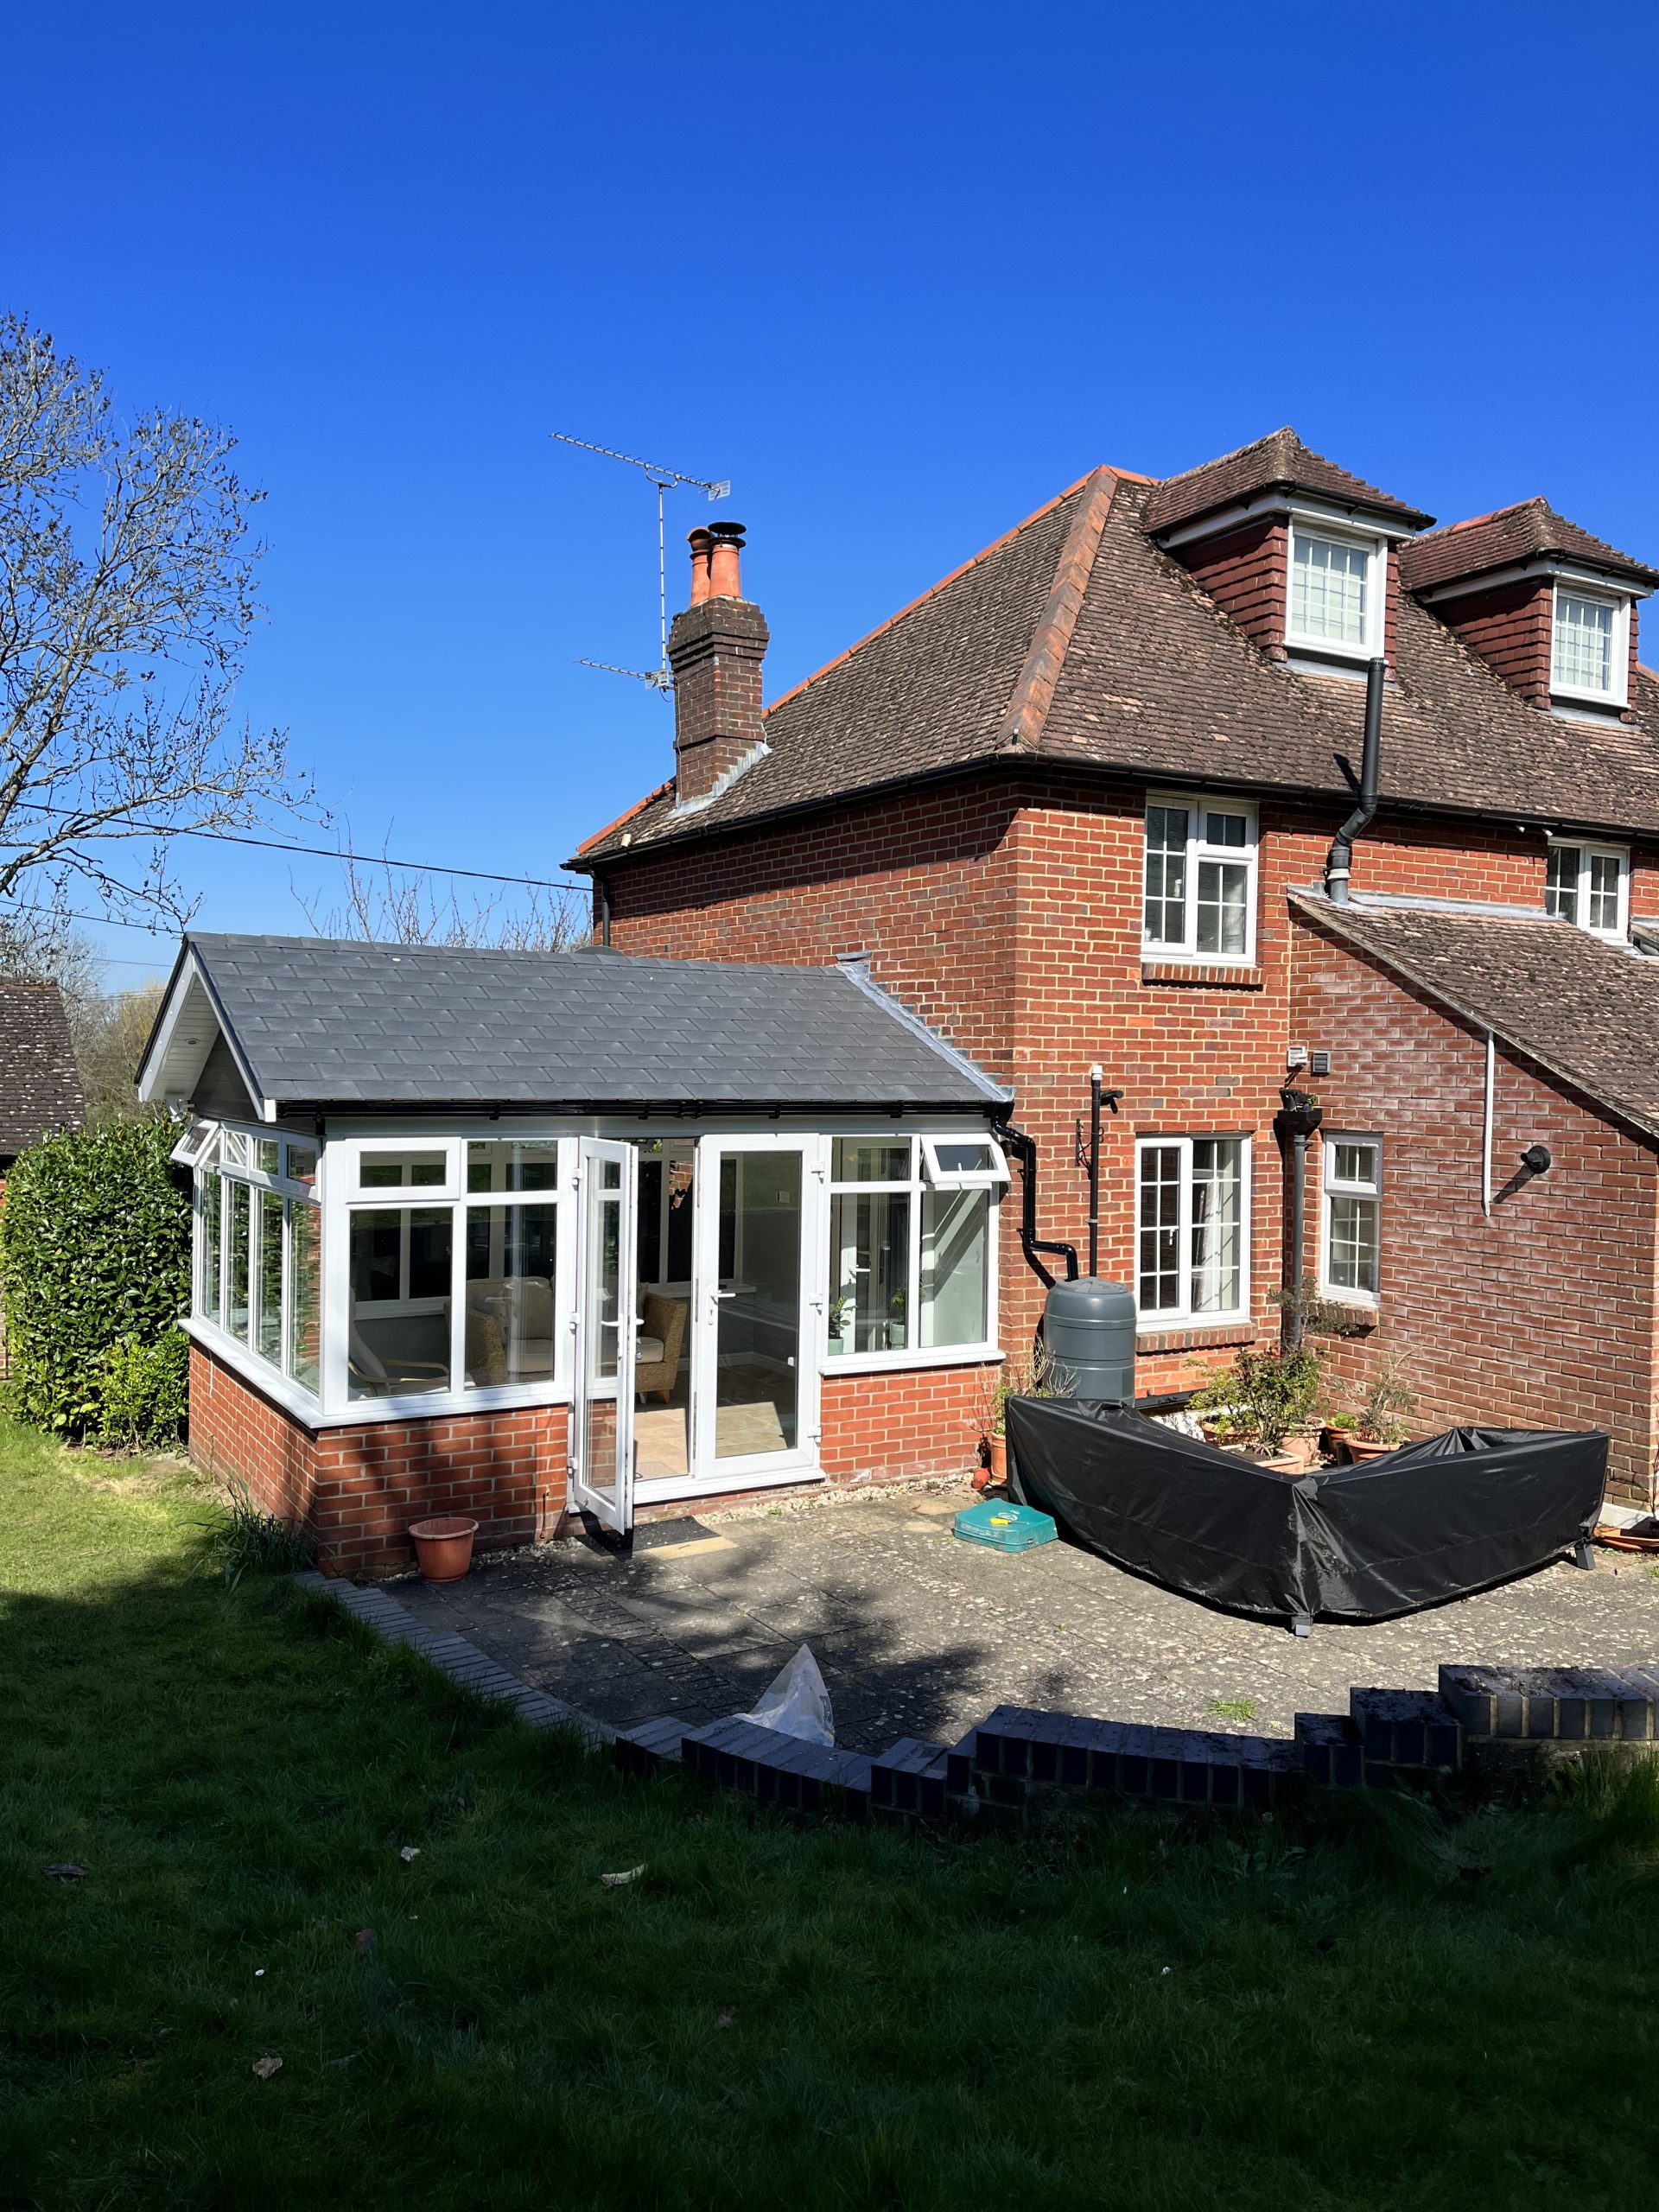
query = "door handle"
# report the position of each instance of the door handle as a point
(725, 1293)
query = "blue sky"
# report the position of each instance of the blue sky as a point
(899, 273)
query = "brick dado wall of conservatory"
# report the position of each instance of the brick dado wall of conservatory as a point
(1542, 1316)
(353, 1491)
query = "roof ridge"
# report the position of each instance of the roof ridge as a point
(1034, 689)
(1515, 506)
(1250, 445)
(932, 592)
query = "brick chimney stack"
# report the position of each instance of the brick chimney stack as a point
(715, 648)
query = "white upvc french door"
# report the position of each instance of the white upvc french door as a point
(758, 1310)
(602, 1402)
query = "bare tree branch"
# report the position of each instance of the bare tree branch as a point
(126, 598)
(386, 904)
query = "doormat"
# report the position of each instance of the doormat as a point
(663, 1535)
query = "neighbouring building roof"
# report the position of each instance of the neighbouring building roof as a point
(1278, 462)
(314, 1021)
(1530, 531)
(40, 1088)
(1582, 1010)
(1075, 639)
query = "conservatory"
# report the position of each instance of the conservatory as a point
(703, 1213)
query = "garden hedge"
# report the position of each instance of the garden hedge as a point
(94, 1274)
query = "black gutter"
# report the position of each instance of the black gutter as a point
(1339, 866)
(1024, 1149)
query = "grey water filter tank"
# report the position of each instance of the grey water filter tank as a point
(1089, 1327)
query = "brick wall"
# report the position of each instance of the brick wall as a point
(1543, 1316)
(1247, 574)
(354, 1492)
(1510, 628)
(927, 1421)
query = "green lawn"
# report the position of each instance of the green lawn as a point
(1372, 2007)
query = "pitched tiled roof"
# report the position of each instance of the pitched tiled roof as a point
(323, 1022)
(1584, 1011)
(39, 1089)
(1278, 461)
(1519, 533)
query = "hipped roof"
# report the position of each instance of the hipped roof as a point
(39, 1085)
(1076, 639)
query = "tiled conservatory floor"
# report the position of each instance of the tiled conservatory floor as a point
(747, 1418)
(919, 1635)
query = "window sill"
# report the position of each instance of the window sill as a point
(1206, 974)
(1358, 1314)
(1188, 1336)
(889, 1363)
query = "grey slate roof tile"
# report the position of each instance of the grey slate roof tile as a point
(321, 1021)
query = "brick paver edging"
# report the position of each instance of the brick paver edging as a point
(463, 1662)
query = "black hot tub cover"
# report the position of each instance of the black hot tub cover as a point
(1430, 1522)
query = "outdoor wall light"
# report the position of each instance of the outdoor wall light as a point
(1536, 1159)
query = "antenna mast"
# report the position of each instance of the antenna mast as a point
(664, 480)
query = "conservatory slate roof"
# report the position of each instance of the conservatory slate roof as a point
(1583, 1010)
(1074, 640)
(320, 1021)
(40, 1087)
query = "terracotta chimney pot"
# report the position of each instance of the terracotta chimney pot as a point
(724, 581)
(701, 542)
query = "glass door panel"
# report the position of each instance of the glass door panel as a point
(755, 1402)
(601, 1438)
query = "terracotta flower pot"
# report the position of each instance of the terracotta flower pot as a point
(443, 1547)
(1366, 1447)
(995, 1469)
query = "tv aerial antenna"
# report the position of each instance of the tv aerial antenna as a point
(664, 481)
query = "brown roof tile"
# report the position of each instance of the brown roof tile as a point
(1154, 679)
(1525, 533)
(1582, 1010)
(1280, 459)
(39, 1089)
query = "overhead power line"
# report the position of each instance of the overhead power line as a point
(334, 852)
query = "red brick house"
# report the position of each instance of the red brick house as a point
(1076, 804)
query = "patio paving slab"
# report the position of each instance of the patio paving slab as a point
(920, 1635)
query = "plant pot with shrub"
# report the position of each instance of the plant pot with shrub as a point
(1261, 1402)
(1381, 1419)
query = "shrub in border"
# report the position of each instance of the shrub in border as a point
(95, 1273)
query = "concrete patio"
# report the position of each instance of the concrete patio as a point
(920, 1635)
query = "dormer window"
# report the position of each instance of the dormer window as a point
(1589, 885)
(1590, 646)
(1336, 592)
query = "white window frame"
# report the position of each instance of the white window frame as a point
(1375, 550)
(1331, 1185)
(192, 1146)
(1185, 1316)
(1588, 848)
(1617, 692)
(1196, 805)
(991, 1177)
(914, 1185)
(215, 1156)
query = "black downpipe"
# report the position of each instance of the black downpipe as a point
(1339, 862)
(1295, 1121)
(1024, 1149)
(602, 910)
(1094, 1173)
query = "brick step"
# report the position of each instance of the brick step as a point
(1018, 1749)
(910, 1777)
(777, 1769)
(1406, 1728)
(651, 1747)
(1332, 1753)
(1498, 1706)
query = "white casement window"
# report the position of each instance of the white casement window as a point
(1199, 896)
(1336, 592)
(1589, 885)
(452, 1257)
(912, 1244)
(1350, 1240)
(1193, 1243)
(258, 1246)
(1590, 646)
